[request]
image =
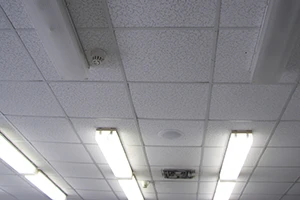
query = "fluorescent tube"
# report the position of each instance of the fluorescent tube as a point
(112, 149)
(236, 154)
(224, 190)
(13, 157)
(131, 189)
(46, 186)
(56, 32)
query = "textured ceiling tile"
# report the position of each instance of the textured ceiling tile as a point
(192, 132)
(242, 13)
(286, 134)
(246, 102)
(267, 174)
(260, 197)
(77, 170)
(15, 63)
(30, 152)
(245, 173)
(291, 197)
(166, 55)
(87, 13)
(281, 157)
(96, 154)
(107, 172)
(292, 112)
(174, 156)
(171, 101)
(115, 185)
(205, 196)
(176, 196)
(209, 174)
(235, 50)
(5, 169)
(88, 184)
(26, 193)
(4, 24)
(135, 155)
(127, 129)
(176, 187)
(35, 47)
(63, 152)
(110, 69)
(238, 188)
(157, 173)
(97, 195)
(45, 129)
(295, 189)
(218, 132)
(32, 98)
(266, 188)
(93, 99)
(207, 187)
(9, 131)
(12, 181)
(134, 13)
(6, 196)
(16, 13)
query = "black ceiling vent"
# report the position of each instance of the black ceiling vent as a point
(178, 173)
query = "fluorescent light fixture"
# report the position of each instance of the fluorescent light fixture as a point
(131, 189)
(13, 157)
(53, 24)
(46, 186)
(277, 39)
(236, 154)
(224, 190)
(112, 149)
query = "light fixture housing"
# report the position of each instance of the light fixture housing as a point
(131, 189)
(13, 157)
(224, 190)
(237, 151)
(54, 26)
(277, 39)
(42, 182)
(112, 149)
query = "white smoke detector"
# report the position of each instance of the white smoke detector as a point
(97, 56)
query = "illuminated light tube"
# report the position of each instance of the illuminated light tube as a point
(46, 186)
(236, 154)
(224, 190)
(54, 26)
(131, 189)
(13, 157)
(112, 149)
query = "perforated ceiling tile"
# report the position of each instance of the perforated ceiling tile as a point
(170, 101)
(218, 132)
(88, 184)
(256, 102)
(16, 13)
(135, 155)
(266, 188)
(242, 13)
(177, 196)
(174, 156)
(292, 112)
(45, 129)
(207, 187)
(295, 189)
(110, 69)
(97, 195)
(235, 50)
(157, 173)
(77, 170)
(63, 152)
(166, 55)
(12, 181)
(260, 197)
(28, 98)
(93, 99)
(281, 157)
(133, 13)
(126, 128)
(87, 13)
(286, 134)
(15, 63)
(267, 174)
(176, 187)
(191, 132)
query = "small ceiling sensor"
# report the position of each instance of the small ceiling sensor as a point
(170, 134)
(97, 56)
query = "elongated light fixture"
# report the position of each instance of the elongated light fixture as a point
(13, 157)
(224, 190)
(46, 186)
(131, 189)
(112, 149)
(56, 31)
(236, 154)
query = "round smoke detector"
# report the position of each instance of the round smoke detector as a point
(97, 56)
(170, 134)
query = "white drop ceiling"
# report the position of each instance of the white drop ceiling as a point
(171, 65)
